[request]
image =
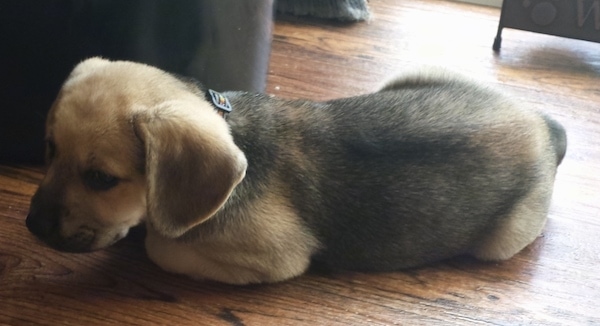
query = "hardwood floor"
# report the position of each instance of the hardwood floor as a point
(555, 281)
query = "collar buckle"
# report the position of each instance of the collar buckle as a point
(220, 102)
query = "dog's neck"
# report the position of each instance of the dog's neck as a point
(220, 102)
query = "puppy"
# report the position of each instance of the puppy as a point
(430, 167)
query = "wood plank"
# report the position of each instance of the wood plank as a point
(555, 281)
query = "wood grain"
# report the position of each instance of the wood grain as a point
(555, 281)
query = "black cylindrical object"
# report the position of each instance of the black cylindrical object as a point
(224, 44)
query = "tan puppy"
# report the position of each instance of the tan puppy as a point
(430, 167)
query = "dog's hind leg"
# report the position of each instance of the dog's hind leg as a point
(521, 227)
(526, 220)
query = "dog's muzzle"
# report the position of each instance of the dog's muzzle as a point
(44, 222)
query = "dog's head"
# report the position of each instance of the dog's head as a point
(125, 143)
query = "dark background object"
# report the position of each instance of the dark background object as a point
(225, 44)
(344, 10)
(574, 19)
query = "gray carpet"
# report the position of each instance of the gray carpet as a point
(344, 10)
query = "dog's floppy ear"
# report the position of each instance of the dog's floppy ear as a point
(192, 165)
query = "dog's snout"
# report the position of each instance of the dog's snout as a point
(79, 242)
(44, 221)
(41, 225)
(43, 218)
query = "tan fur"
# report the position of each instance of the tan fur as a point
(103, 137)
(169, 124)
(265, 250)
(176, 142)
(178, 170)
(526, 220)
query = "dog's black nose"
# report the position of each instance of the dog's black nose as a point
(42, 219)
(41, 225)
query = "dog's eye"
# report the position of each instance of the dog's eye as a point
(98, 180)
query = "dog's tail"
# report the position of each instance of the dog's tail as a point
(424, 76)
(558, 138)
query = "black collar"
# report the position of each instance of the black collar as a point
(220, 102)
